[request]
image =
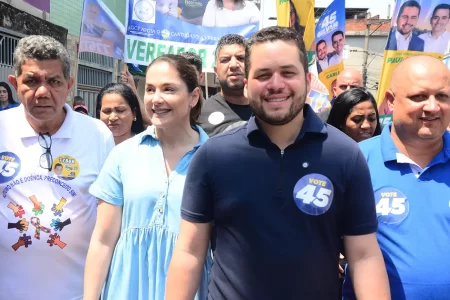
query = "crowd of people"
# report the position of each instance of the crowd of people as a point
(246, 195)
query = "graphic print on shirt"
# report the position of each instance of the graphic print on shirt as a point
(66, 167)
(17, 209)
(9, 166)
(58, 208)
(55, 240)
(21, 225)
(58, 225)
(313, 194)
(38, 208)
(392, 205)
(37, 223)
(24, 240)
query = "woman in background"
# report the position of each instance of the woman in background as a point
(6, 97)
(355, 113)
(228, 13)
(118, 108)
(140, 189)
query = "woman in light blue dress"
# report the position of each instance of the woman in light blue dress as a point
(140, 189)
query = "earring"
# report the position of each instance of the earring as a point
(134, 119)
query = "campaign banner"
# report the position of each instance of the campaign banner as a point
(299, 15)
(162, 27)
(418, 27)
(318, 95)
(101, 32)
(330, 40)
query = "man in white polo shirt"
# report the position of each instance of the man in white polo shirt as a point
(49, 156)
(437, 39)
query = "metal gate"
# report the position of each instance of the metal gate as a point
(7, 45)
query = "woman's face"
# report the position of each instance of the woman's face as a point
(116, 114)
(3, 94)
(362, 121)
(167, 99)
(292, 17)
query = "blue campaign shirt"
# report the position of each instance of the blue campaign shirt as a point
(10, 105)
(134, 177)
(279, 215)
(413, 220)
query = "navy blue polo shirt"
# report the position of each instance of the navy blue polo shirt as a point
(279, 215)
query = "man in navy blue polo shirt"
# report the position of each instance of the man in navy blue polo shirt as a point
(281, 192)
(410, 167)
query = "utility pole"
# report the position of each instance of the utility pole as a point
(369, 22)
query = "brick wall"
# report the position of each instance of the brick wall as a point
(359, 25)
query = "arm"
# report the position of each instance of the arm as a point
(185, 271)
(101, 248)
(366, 267)
(127, 79)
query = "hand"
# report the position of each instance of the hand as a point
(21, 225)
(341, 270)
(127, 79)
(17, 209)
(24, 240)
(38, 210)
(58, 208)
(58, 225)
(55, 239)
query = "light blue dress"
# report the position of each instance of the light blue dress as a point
(134, 176)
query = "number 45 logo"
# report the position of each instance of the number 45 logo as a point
(392, 205)
(313, 194)
(321, 199)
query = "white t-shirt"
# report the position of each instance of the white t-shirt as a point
(47, 263)
(334, 60)
(438, 45)
(222, 17)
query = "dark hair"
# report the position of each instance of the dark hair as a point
(194, 59)
(441, 6)
(129, 96)
(81, 108)
(240, 3)
(411, 3)
(320, 42)
(272, 34)
(338, 32)
(8, 90)
(188, 75)
(229, 39)
(57, 165)
(297, 18)
(344, 105)
(78, 98)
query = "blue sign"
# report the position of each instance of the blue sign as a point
(9, 166)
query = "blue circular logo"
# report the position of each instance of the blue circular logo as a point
(392, 205)
(9, 166)
(313, 194)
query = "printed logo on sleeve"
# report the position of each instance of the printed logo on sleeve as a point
(66, 167)
(313, 194)
(392, 205)
(9, 166)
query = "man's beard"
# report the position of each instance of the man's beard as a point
(296, 107)
(236, 90)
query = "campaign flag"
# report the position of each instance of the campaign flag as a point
(418, 27)
(299, 15)
(318, 95)
(154, 28)
(101, 32)
(330, 40)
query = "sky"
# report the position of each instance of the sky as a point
(378, 7)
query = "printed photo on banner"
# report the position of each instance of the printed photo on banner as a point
(418, 27)
(161, 27)
(101, 32)
(330, 41)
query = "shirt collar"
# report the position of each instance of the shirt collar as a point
(389, 150)
(24, 130)
(400, 37)
(150, 133)
(311, 123)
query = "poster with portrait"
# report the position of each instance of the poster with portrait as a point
(101, 32)
(154, 28)
(330, 40)
(299, 15)
(418, 27)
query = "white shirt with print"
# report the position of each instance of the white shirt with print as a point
(46, 220)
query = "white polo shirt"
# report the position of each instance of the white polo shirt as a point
(46, 220)
(438, 45)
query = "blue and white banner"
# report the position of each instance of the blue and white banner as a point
(101, 32)
(162, 27)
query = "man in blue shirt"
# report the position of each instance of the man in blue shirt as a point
(410, 168)
(281, 191)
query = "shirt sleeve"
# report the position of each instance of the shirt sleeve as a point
(197, 203)
(359, 214)
(108, 186)
(209, 16)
